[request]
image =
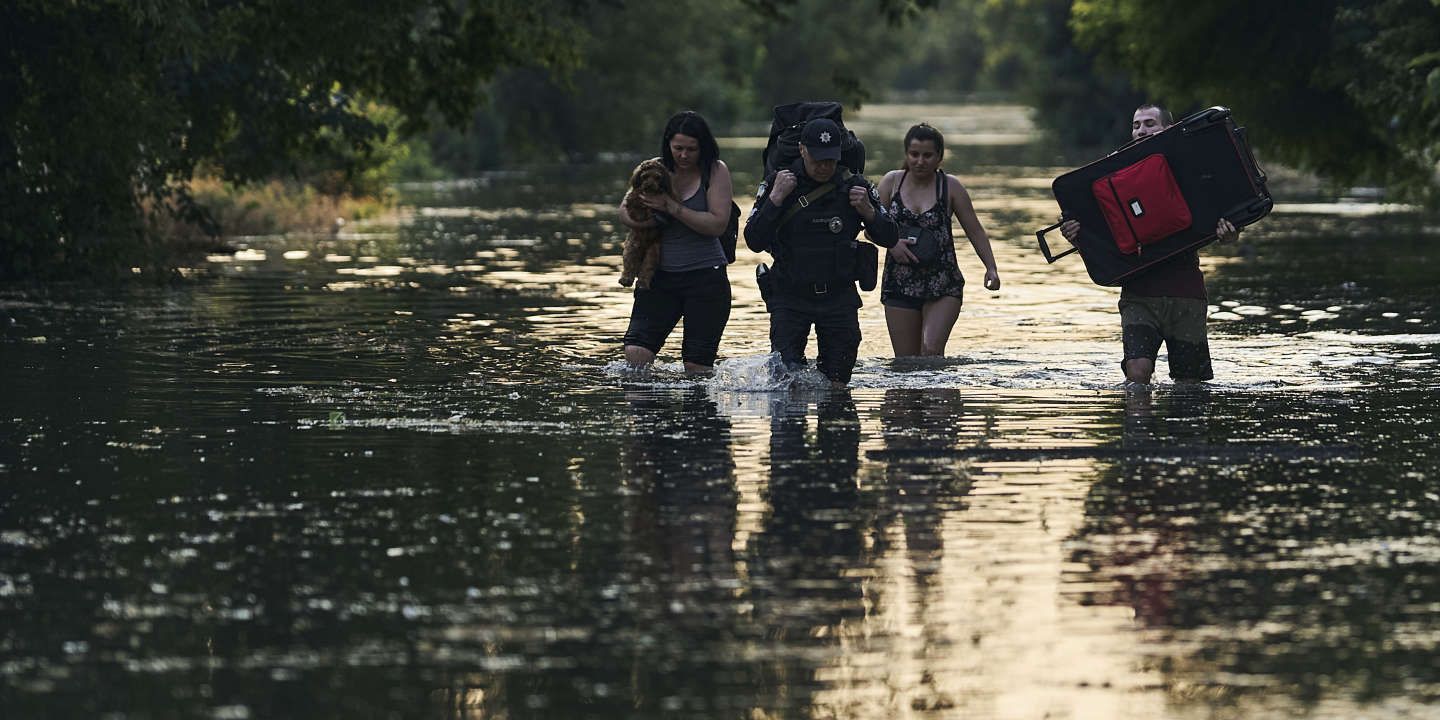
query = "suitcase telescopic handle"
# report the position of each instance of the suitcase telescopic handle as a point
(1243, 137)
(1045, 248)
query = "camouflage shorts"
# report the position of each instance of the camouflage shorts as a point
(1178, 322)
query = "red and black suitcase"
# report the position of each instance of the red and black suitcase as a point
(1159, 196)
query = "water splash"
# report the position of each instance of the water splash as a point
(657, 373)
(752, 373)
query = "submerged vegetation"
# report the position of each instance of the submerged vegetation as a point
(111, 109)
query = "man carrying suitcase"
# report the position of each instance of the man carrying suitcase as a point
(1166, 303)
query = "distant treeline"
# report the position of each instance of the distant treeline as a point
(733, 60)
(109, 108)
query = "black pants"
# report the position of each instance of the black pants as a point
(837, 331)
(701, 296)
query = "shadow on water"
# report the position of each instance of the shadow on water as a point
(400, 472)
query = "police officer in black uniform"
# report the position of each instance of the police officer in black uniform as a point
(808, 216)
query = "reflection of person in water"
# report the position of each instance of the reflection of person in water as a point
(680, 463)
(800, 566)
(1212, 554)
(919, 488)
(918, 421)
(682, 563)
(1263, 560)
(1138, 513)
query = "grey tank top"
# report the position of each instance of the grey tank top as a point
(681, 248)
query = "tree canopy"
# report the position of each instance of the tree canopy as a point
(1347, 88)
(731, 60)
(107, 107)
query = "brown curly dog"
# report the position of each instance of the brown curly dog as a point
(641, 256)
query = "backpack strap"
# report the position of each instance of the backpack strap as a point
(811, 197)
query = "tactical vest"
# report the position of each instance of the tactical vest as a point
(816, 246)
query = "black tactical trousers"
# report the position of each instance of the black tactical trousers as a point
(836, 321)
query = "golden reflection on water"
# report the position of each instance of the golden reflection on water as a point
(967, 612)
(987, 632)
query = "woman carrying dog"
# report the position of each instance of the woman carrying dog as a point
(691, 282)
(923, 286)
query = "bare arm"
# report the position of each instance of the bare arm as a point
(716, 217)
(964, 211)
(886, 188)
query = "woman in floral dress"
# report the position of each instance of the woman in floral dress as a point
(922, 300)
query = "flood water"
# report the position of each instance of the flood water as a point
(401, 473)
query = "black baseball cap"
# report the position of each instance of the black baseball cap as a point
(821, 137)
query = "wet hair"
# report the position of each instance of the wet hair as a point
(1166, 118)
(689, 122)
(924, 132)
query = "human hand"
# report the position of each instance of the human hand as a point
(858, 197)
(784, 185)
(860, 200)
(1226, 232)
(992, 279)
(901, 252)
(659, 203)
(1070, 229)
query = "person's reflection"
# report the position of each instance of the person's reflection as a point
(921, 483)
(801, 565)
(680, 468)
(654, 582)
(681, 465)
(1230, 530)
(1139, 514)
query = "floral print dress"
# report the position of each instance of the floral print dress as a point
(929, 281)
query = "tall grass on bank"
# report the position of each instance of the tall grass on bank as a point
(272, 208)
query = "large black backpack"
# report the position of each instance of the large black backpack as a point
(784, 145)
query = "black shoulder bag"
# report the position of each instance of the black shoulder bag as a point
(927, 241)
